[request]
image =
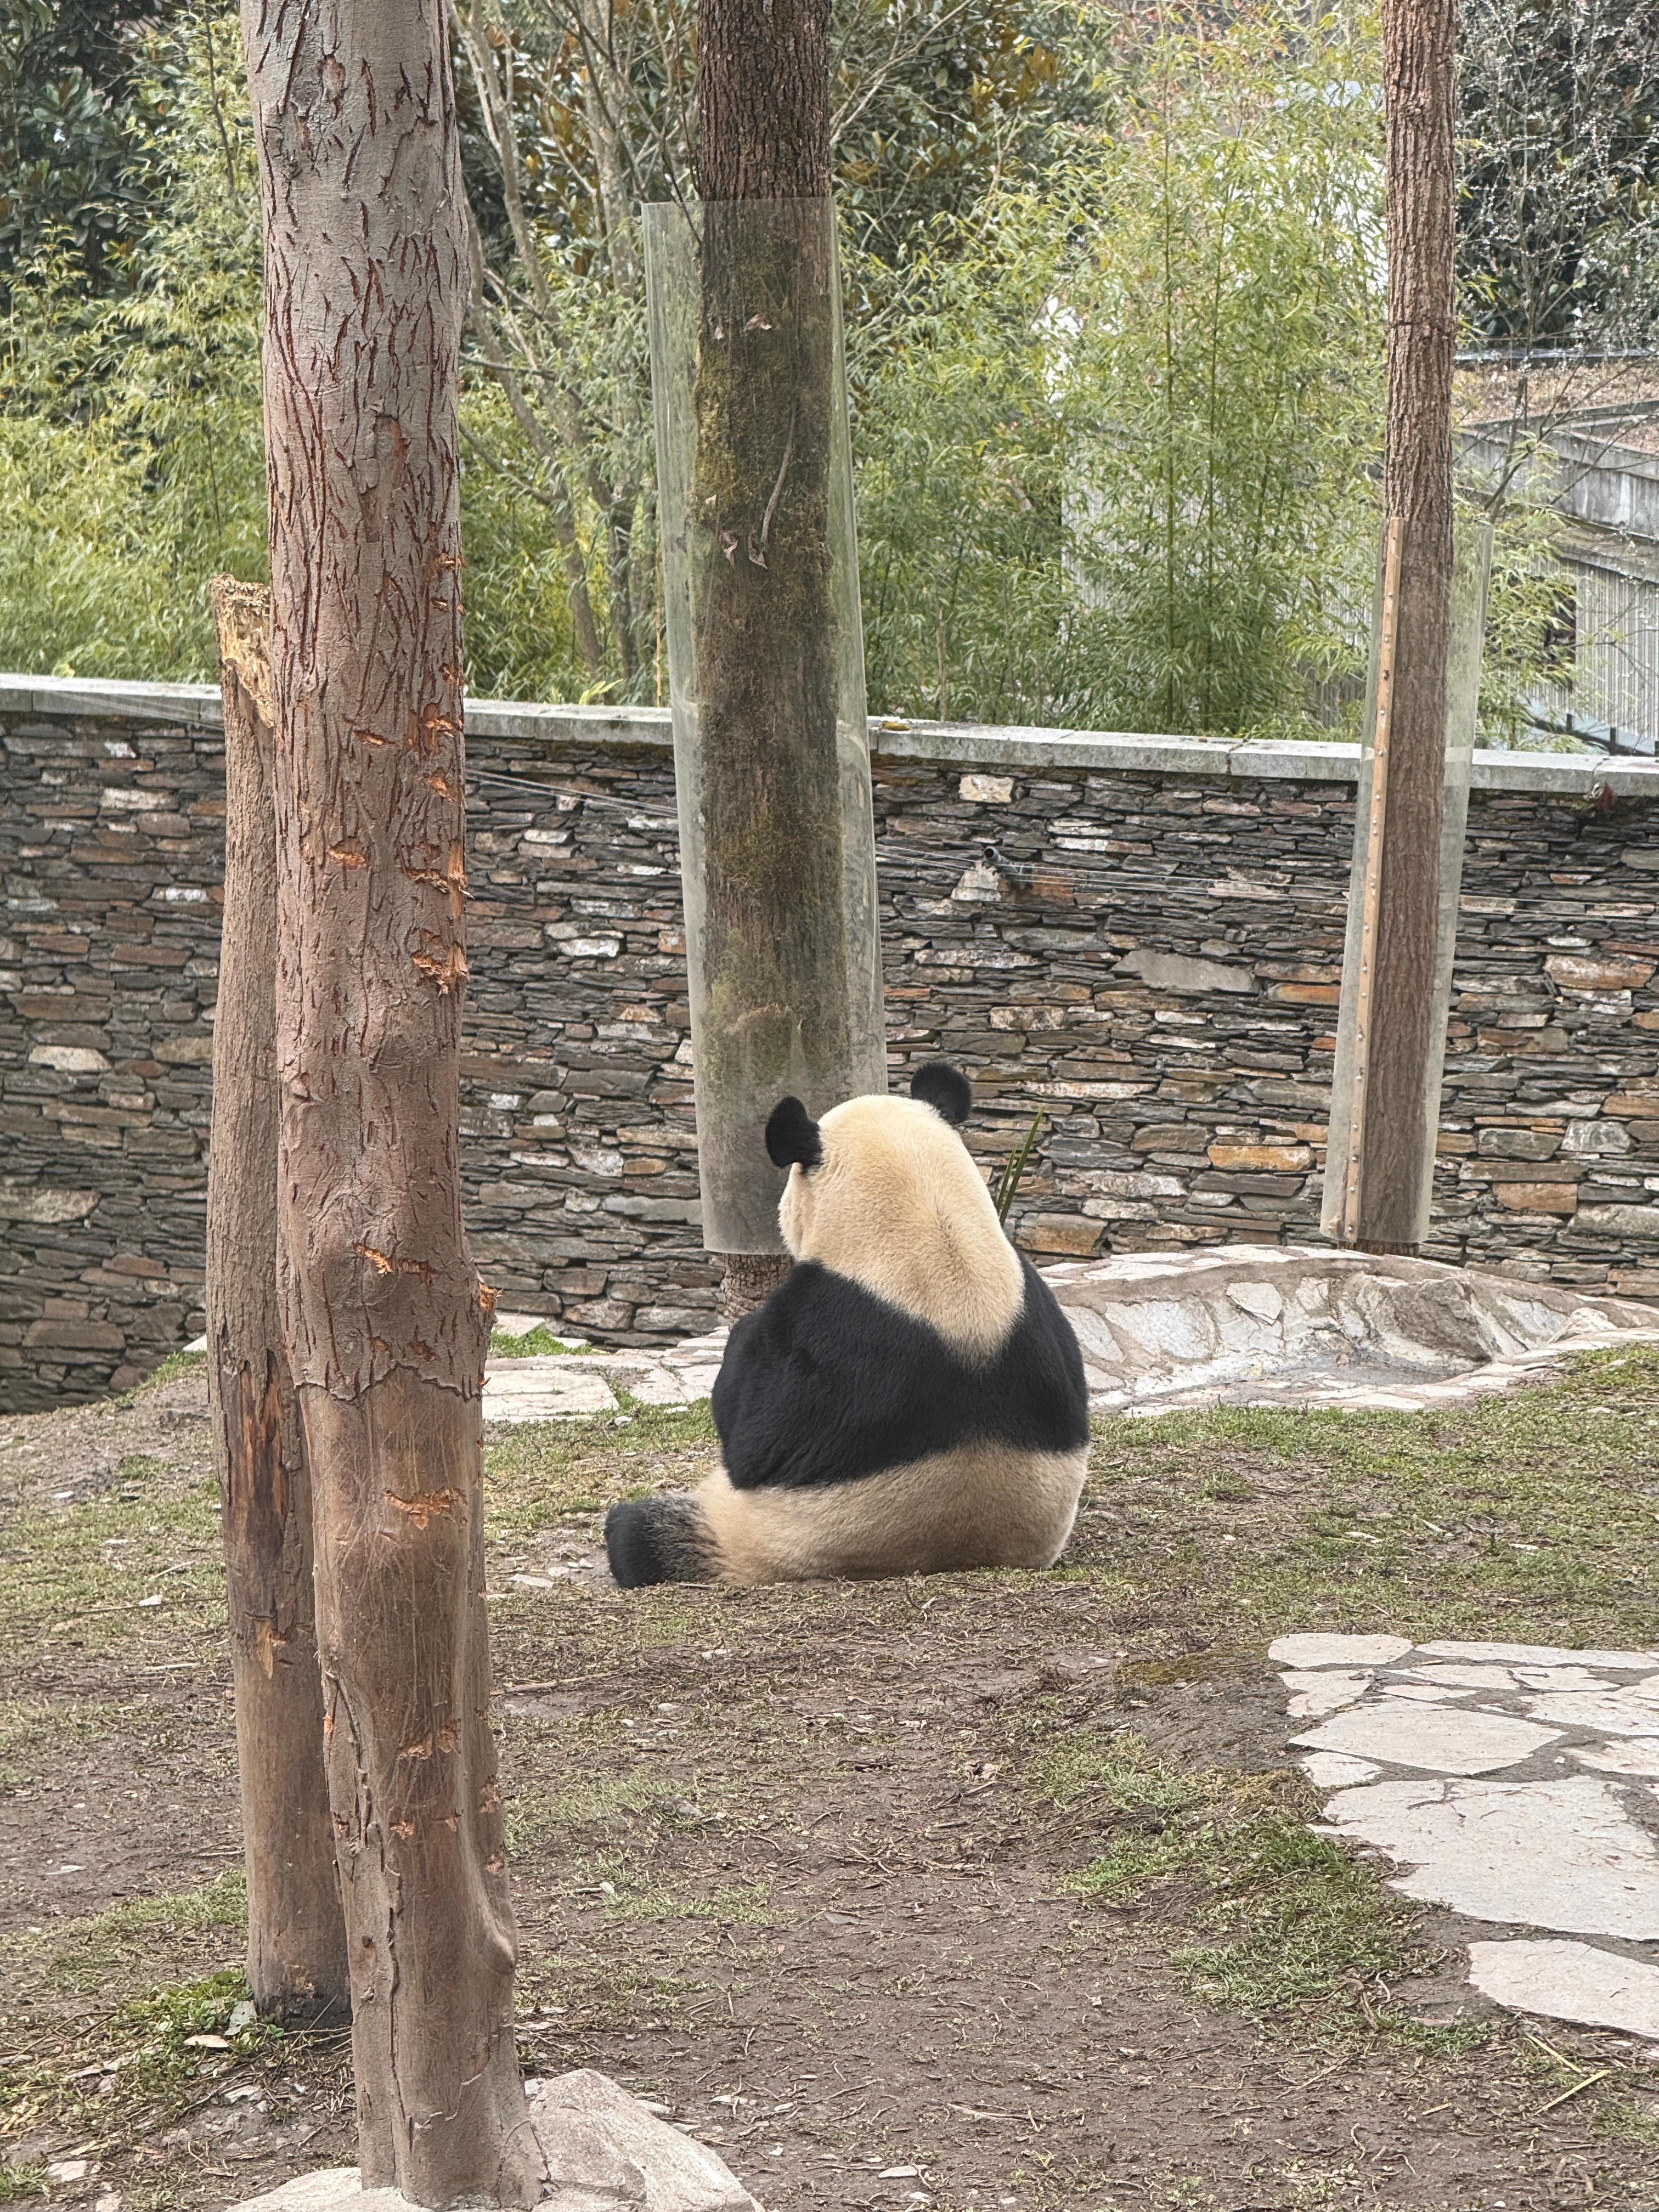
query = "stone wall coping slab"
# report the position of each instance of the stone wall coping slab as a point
(985, 745)
(99, 698)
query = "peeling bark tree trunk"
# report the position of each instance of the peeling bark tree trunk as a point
(366, 283)
(1419, 56)
(775, 945)
(296, 1951)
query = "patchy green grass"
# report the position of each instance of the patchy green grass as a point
(611, 1836)
(591, 1993)
(82, 1954)
(630, 1895)
(576, 1815)
(1283, 1922)
(175, 1364)
(93, 1573)
(1279, 1922)
(1295, 1922)
(1533, 1515)
(545, 1475)
(155, 2042)
(1108, 1772)
(535, 1343)
(152, 2050)
(34, 1731)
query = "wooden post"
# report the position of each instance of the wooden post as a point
(296, 1951)
(1392, 1139)
(365, 284)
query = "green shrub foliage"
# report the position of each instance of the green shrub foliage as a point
(1114, 335)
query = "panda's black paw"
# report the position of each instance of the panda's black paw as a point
(656, 1540)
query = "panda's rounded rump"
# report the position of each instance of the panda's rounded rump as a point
(896, 1203)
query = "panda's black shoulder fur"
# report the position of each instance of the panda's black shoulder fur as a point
(827, 1382)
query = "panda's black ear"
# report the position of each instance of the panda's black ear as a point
(945, 1089)
(792, 1136)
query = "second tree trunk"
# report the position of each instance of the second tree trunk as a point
(297, 1938)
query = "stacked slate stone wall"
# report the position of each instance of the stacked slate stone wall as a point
(1140, 937)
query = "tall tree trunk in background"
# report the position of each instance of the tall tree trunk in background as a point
(1420, 57)
(365, 284)
(781, 1000)
(296, 1950)
(605, 97)
(474, 27)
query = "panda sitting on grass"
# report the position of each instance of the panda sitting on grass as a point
(910, 1399)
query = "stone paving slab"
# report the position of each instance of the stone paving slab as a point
(1546, 1654)
(1570, 1981)
(550, 1389)
(564, 1385)
(1565, 1855)
(1514, 1783)
(1313, 1650)
(1441, 1738)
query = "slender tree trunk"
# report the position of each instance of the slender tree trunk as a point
(606, 99)
(1419, 54)
(782, 1005)
(557, 497)
(296, 1949)
(473, 28)
(365, 284)
(583, 627)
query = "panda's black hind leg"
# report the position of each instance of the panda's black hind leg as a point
(658, 1540)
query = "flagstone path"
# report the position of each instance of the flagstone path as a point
(1513, 1783)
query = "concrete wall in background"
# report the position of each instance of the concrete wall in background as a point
(1140, 935)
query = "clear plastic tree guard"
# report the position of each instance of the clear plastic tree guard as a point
(1472, 566)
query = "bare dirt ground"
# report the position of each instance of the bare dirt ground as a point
(979, 1891)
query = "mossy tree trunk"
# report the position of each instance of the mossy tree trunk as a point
(782, 1008)
(296, 1949)
(386, 1324)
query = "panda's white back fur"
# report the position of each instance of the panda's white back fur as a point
(897, 1205)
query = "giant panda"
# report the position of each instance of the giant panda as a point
(910, 1399)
